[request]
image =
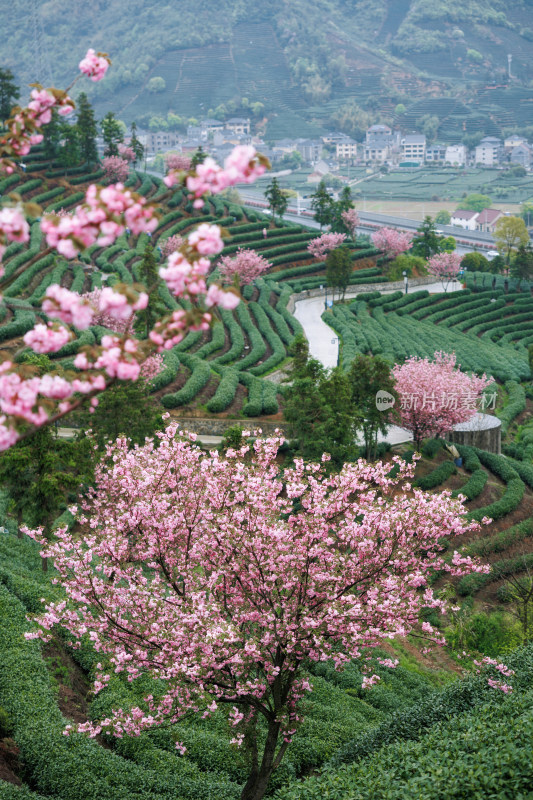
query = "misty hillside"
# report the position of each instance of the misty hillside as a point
(305, 61)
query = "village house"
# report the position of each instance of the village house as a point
(380, 143)
(489, 152)
(239, 125)
(413, 147)
(463, 218)
(435, 153)
(456, 155)
(346, 149)
(488, 219)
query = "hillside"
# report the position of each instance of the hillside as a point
(306, 62)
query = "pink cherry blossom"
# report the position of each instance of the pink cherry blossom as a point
(68, 306)
(445, 266)
(392, 241)
(324, 244)
(218, 297)
(47, 338)
(238, 575)
(94, 65)
(245, 266)
(436, 395)
(206, 239)
(350, 218)
(13, 224)
(116, 168)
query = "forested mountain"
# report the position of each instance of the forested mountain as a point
(307, 62)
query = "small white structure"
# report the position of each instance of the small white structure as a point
(456, 155)
(463, 218)
(482, 430)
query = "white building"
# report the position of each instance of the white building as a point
(456, 155)
(413, 147)
(461, 218)
(489, 151)
(346, 149)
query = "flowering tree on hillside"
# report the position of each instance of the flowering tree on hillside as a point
(392, 241)
(322, 245)
(436, 395)
(126, 152)
(116, 168)
(244, 267)
(26, 401)
(177, 161)
(445, 267)
(171, 245)
(351, 221)
(228, 581)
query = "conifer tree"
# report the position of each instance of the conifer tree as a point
(149, 276)
(277, 200)
(112, 134)
(87, 130)
(322, 205)
(135, 144)
(9, 93)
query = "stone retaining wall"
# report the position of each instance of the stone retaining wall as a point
(216, 427)
(393, 286)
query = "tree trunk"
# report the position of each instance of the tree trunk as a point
(19, 523)
(258, 780)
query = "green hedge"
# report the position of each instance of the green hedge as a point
(200, 375)
(171, 365)
(437, 476)
(225, 392)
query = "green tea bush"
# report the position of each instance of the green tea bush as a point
(201, 373)
(225, 392)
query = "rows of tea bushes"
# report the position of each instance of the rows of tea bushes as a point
(468, 741)
(398, 327)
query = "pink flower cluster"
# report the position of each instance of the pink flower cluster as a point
(22, 128)
(47, 338)
(106, 213)
(350, 218)
(116, 168)
(68, 306)
(94, 65)
(392, 241)
(435, 395)
(177, 162)
(171, 244)
(322, 245)
(242, 166)
(126, 152)
(245, 266)
(28, 399)
(117, 358)
(13, 228)
(445, 266)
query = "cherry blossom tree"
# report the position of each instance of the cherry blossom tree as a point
(392, 241)
(436, 395)
(351, 221)
(322, 245)
(126, 152)
(177, 161)
(171, 245)
(30, 402)
(445, 267)
(226, 578)
(116, 168)
(244, 267)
